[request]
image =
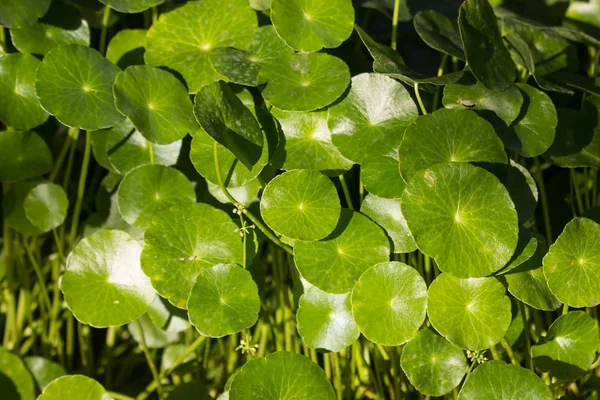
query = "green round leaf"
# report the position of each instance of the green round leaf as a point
(157, 104)
(46, 206)
(281, 375)
(387, 214)
(377, 108)
(496, 380)
(439, 32)
(569, 348)
(182, 241)
(154, 336)
(448, 136)
(379, 171)
(132, 6)
(150, 190)
(43, 370)
(15, 381)
(432, 364)
(19, 105)
(228, 121)
(127, 48)
(223, 301)
(234, 173)
(24, 155)
(103, 284)
(72, 387)
(533, 132)
(13, 207)
(122, 149)
(304, 81)
(472, 95)
(74, 83)
(63, 24)
(243, 67)
(21, 13)
(463, 217)
(168, 317)
(301, 204)
(527, 283)
(389, 303)
(335, 263)
(308, 143)
(183, 39)
(472, 313)
(308, 26)
(325, 320)
(488, 58)
(572, 266)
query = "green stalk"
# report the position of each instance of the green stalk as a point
(104, 30)
(153, 385)
(61, 156)
(247, 213)
(440, 72)
(151, 151)
(421, 105)
(119, 396)
(509, 350)
(540, 181)
(150, 362)
(346, 192)
(395, 24)
(41, 279)
(526, 330)
(577, 191)
(81, 188)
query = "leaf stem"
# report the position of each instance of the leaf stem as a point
(104, 30)
(526, 330)
(395, 24)
(151, 364)
(81, 188)
(153, 385)
(61, 156)
(151, 151)
(247, 213)
(346, 192)
(421, 106)
(577, 191)
(509, 350)
(119, 396)
(539, 177)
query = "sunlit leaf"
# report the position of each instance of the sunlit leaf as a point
(46, 206)
(72, 386)
(74, 83)
(21, 13)
(157, 104)
(103, 284)
(572, 265)
(463, 217)
(301, 204)
(19, 105)
(389, 303)
(223, 301)
(335, 263)
(16, 382)
(308, 26)
(432, 364)
(127, 48)
(376, 108)
(472, 313)
(182, 241)
(304, 81)
(325, 320)
(281, 375)
(183, 38)
(569, 348)
(496, 380)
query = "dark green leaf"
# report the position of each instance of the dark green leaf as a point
(228, 121)
(439, 32)
(24, 155)
(485, 52)
(21, 13)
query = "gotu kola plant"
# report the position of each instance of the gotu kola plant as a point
(276, 199)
